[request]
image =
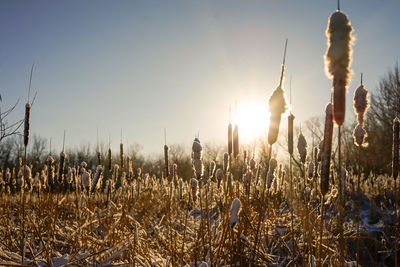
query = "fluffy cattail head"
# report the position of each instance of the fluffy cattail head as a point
(338, 60)
(361, 103)
(235, 206)
(359, 135)
(302, 147)
(277, 106)
(27, 123)
(395, 148)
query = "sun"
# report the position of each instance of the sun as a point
(252, 118)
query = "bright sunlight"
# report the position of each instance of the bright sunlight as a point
(253, 120)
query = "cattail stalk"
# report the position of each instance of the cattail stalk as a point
(395, 172)
(235, 141)
(360, 107)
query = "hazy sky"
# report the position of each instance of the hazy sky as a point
(145, 65)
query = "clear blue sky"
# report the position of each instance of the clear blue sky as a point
(145, 65)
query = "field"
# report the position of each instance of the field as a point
(332, 203)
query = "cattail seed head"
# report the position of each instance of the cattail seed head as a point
(327, 149)
(302, 147)
(109, 159)
(230, 141)
(395, 148)
(226, 162)
(99, 158)
(252, 164)
(212, 168)
(27, 123)
(310, 170)
(193, 186)
(197, 149)
(96, 178)
(236, 141)
(61, 166)
(361, 103)
(290, 133)
(277, 106)
(338, 60)
(359, 135)
(271, 172)
(121, 155)
(235, 206)
(166, 149)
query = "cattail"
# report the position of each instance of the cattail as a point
(277, 106)
(166, 148)
(315, 161)
(50, 171)
(99, 158)
(360, 107)
(302, 148)
(180, 188)
(198, 168)
(109, 159)
(212, 168)
(235, 206)
(96, 178)
(197, 149)
(344, 175)
(252, 164)
(174, 172)
(395, 151)
(218, 175)
(338, 60)
(230, 139)
(359, 135)
(361, 103)
(236, 141)
(86, 180)
(61, 166)
(321, 150)
(193, 186)
(24, 175)
(327, 149)
(226, 162)
(290, 133)
(27, 123)
(271, 172)
(121, 155)
(310, 170)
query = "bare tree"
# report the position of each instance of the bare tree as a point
(8, 129)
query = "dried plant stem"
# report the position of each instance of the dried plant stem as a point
(262, 207)
(23, 211)
(341, 240)
(321, 231)
(396, 234)
(358, 205)
(292, 208)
